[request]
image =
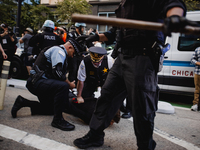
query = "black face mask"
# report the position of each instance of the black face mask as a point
(80, 31)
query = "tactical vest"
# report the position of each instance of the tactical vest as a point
(49, 39)
(46, 66)
(137, 10)
(95, 76)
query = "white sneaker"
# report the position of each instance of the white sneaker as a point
(194, 107)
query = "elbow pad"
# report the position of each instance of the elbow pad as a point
(57, 72)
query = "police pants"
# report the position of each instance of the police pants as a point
(52, 95)
(137, 77)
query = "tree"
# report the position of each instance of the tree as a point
(34, 15)
(8, 10)
(192, 4)
(66, 8)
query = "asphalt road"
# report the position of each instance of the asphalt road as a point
(178, 131)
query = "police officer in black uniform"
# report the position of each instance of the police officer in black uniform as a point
(135, 69)
(45, 39)
(92, 74)
(48, 82)
(75, 61)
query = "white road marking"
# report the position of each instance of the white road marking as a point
(32, 140)
(47, 144)
(173, 139)
(182, 108)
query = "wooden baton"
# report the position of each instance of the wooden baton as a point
(129, 23)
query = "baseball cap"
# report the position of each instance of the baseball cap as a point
(29, 30)
(4, 25)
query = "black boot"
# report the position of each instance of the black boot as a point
(17, 106)
(90, 140)
(62, 124)
(126, 115)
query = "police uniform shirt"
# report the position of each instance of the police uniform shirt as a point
(82, 71)
(56, 55)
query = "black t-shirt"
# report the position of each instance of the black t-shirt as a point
(6, 42)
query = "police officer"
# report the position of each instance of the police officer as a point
(45, 39)
(75, 61)
(79, 30)
(135, 69)
(48, 82)
(92, 74)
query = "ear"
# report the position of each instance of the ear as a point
(70, 46)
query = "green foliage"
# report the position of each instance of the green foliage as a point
(34, 15)
(8, 11)
(192, 5)
(66, 8)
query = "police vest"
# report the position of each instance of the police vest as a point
(46, 66)
(95, 76)
(49, 39)
(73, 34)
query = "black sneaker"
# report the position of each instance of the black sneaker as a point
(89, 140)
(17, 106)
(62, 125)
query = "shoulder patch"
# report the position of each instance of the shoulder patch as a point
(61, 52)
(82, 66)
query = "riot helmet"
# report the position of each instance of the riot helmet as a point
(80, 27)
(48, 25)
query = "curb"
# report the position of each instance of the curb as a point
(16, 83)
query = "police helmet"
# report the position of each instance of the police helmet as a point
(97, 53)
(79, 24)
(48, 24)
(79, 48)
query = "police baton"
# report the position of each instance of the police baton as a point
(129, 23)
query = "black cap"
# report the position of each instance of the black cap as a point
(98, 50)
(97, 53)
(79, 48)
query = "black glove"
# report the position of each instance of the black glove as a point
(92, 38)
(176, 23)
(88, 39)
(81, 38)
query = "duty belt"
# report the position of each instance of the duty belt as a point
(135, 51)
